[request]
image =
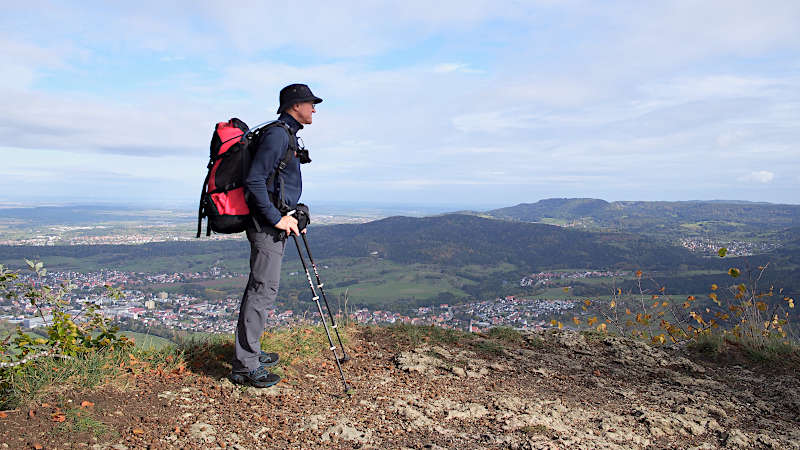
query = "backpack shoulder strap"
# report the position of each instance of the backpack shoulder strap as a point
(284, 162)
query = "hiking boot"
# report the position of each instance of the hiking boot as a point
(268, 359)
(259, 378)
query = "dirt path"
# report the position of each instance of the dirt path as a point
(554, 390)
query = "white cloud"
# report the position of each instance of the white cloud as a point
(449, 67)
(761, 176)
(444, 68)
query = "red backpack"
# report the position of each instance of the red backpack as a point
(223, 197)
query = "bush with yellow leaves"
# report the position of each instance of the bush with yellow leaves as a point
(741, 311)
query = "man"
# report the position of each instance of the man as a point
(268, 235)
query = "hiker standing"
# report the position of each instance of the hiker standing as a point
(270, 198)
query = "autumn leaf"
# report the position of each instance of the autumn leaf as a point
(722, 252)
(31, 414)
(734, 272)
(742, 288)
(553, 323)
(587, 302)
(3, 415)
(86, 404)
(714, 287)
(565, 289)
(592, 321)
(613, 304)
(628, 311)
(138, 431)
(638, 274)
(576, 320)
(58, 417)
(690, 298)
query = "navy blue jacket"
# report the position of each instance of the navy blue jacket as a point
(268, 152)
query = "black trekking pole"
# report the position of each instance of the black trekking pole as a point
(345, 358)
(315, 297)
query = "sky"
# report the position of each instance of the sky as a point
(466, 103)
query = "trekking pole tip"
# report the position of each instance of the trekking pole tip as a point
(349, 390)
(345, 357)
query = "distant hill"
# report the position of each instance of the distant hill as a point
(456, 239)
(450, 240)
(649, 217)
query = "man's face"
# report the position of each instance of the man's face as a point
(304, 111)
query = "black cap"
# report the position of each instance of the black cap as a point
(296, 93)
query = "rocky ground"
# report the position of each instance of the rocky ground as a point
(549, 390)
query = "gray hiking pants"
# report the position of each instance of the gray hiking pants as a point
(262, 287)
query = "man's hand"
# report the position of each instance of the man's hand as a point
(289, 225)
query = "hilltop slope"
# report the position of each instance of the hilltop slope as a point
(556, 389)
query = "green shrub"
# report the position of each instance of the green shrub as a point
(506, 334)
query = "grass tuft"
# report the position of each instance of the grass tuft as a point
(299, 344)
(82, 421)
(417, 334)
(506, 334)
(488, 346)
(728, 347)
(539, 429)
(29, 381)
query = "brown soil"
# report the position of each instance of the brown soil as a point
(554, 390)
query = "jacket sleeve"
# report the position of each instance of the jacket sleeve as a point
(269, 151)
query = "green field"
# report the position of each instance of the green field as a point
(376, 281)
